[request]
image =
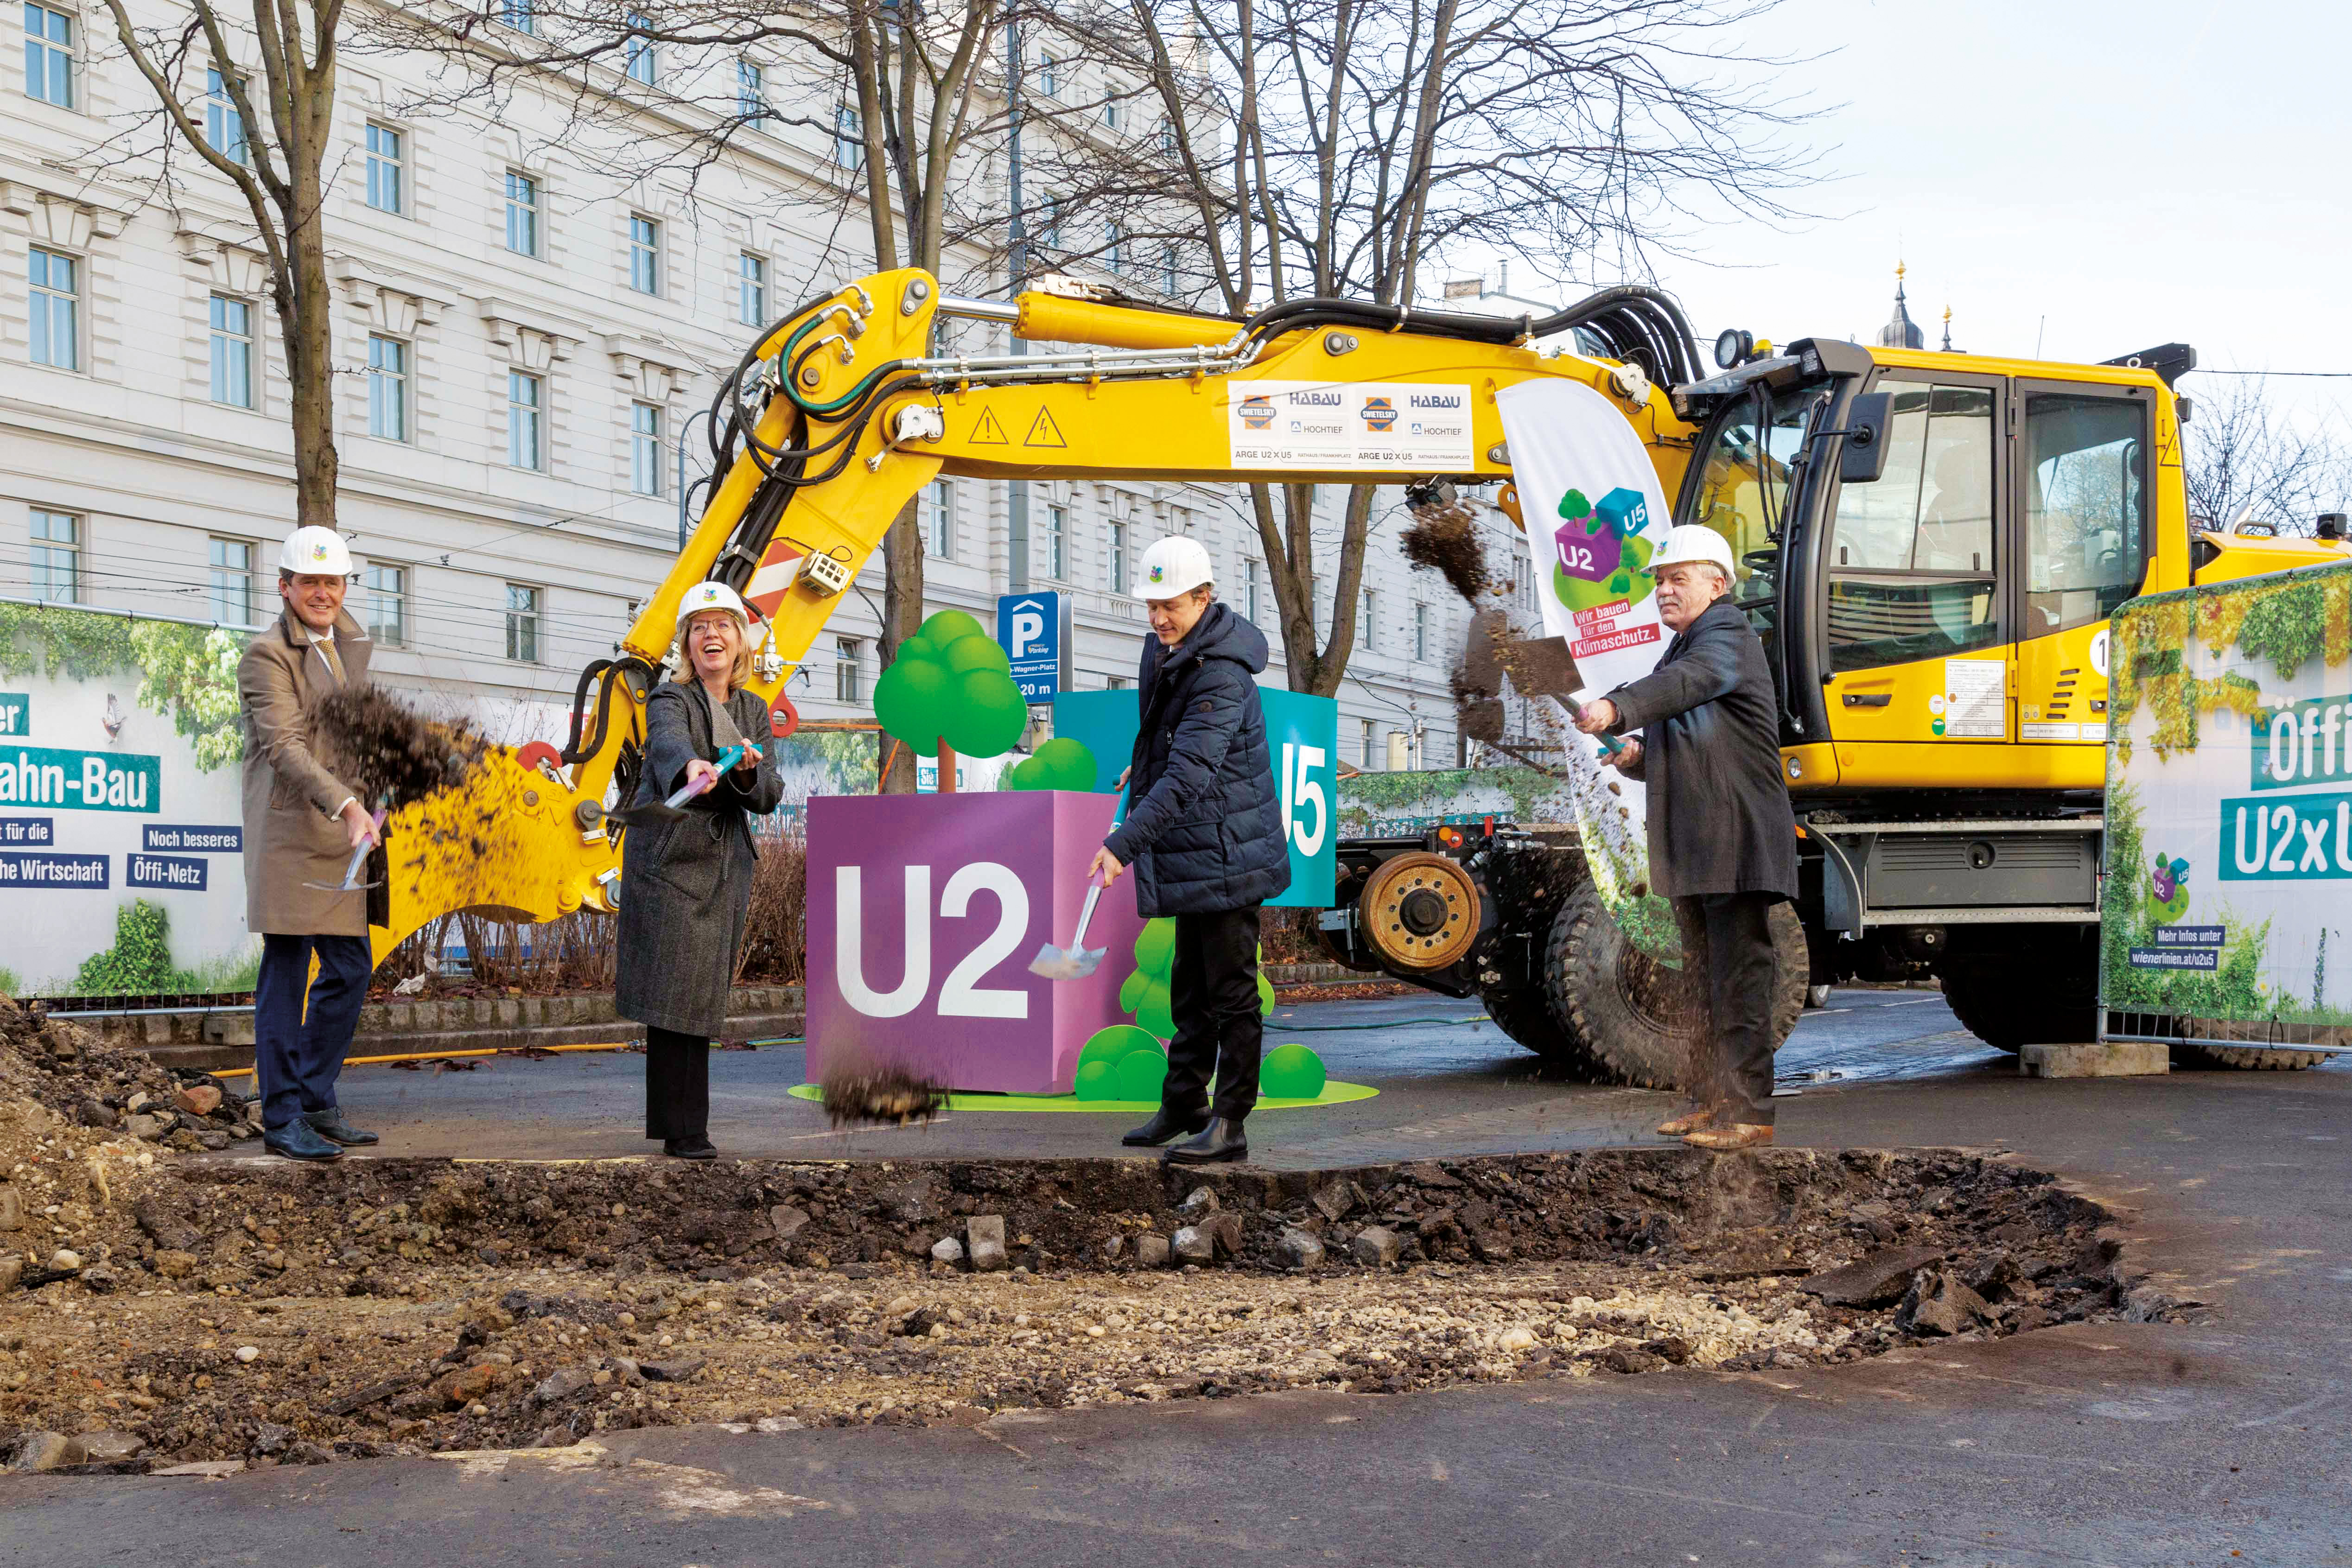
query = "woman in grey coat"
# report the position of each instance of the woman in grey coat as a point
(686, 882)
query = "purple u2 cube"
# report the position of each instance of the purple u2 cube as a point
(924, 911)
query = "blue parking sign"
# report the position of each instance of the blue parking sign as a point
(1033, 629)
(1302, 736)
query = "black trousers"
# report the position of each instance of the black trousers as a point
(302, 1030)
(1212, 992)
(1728, 938)
(677, 1085)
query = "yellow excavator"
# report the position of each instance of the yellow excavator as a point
(1930, 545)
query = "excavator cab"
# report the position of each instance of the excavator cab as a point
(1937, 617)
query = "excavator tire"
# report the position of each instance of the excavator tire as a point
(1638, 1020)
(2009, 1006)
(1524, 1012)
(1526, 886)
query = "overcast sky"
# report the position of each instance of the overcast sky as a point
(2132, 174)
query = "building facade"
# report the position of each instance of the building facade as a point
(523, 353)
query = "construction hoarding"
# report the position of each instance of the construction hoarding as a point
(2229, 826)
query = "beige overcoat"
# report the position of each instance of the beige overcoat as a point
(291, 789)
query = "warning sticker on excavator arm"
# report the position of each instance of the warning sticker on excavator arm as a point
(1379, 426)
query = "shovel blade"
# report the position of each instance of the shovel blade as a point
(647, 816)
(1053, 963)
(343, 886)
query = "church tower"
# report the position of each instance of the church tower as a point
(1901, 332)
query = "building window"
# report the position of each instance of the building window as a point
(1049, 225)
(1421, 631)
(1117, 559)
(637, 49)
(1365, 753)
(1369, 628)
(232, 326)
(522, 16)
(387, 376)
(1118, 683)
(522, 623)
(848, 136)
(49, 55)
(1523, 590)
(388, 604)
(938, 518)
(752, 94)
(1115, 245)
(223, 126)
(526, 420)
(645, 255)
(845, 651)
(1168, 279)
(1057, 534)
(1049, 76)
(1168, 137)
(57, 557)
(1110, 113)
(55, 310)
(387, 169)
(522, 214)
(751, 290)
(1254, 587)
(232, 564)
(646, 449)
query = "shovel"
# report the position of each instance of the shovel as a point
(352, 883)
(662, 811)
(1609, 743)
(1077, 961)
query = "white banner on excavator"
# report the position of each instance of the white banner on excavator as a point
(1421, 426)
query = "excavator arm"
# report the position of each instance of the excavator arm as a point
(837, 416)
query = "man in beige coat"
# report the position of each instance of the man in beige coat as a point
(301, 826)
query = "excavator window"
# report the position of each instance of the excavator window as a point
(1741, 491)
(2086, 506)
(1911, 566)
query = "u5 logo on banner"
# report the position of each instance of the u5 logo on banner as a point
(960, 994)
(1301, 790)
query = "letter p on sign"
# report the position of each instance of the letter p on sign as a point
(1028, 627)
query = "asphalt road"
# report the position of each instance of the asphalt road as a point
(2218, 1443)
(1448, 1079)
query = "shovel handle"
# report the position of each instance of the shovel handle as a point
(726, 759)
(1609, 743)
(1086, 911)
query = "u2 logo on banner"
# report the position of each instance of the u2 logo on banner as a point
(960, 994)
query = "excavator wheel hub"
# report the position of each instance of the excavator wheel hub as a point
(1421, 911)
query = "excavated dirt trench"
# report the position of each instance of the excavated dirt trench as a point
(161, 1306)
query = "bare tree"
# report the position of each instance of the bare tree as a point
(2247, 459)
(1335, 147)
(275, 157)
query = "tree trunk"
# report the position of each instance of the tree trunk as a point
(947, 767)
(306, 322)
(902, 616)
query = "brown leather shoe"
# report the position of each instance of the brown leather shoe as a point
(1737, 1136)
(1686, 1124)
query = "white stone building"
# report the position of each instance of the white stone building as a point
(520, 347)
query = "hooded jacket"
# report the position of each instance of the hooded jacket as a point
(1203, 831)
(1719, 815)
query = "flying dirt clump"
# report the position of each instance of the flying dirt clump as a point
(1445, 541)
(390, 753)
(855, 1094)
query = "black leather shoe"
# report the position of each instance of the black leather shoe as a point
(298, 1140)
(1166, 1124)
(695, 1148)
(330, 1124)
(1219, 1142)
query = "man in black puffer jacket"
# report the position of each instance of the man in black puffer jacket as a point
(1205, 836)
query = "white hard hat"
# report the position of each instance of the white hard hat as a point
(1174, 566)
(1694, 542)
(314, 551)
(705, 596)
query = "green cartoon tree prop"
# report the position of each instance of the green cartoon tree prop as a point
(950, 690)
(1062, 764)
(1125, 1062)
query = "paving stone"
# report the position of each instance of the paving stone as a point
(1299, 1249)
(1872, 1282)
(1376, 1247)
(1194, 1244)
(985, 1238)
(1151, 1251)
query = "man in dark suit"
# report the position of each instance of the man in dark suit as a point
(1205, 836)
(1723, 841)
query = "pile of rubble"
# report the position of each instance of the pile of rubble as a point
(161, 1306)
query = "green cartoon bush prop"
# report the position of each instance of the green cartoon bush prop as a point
(1291, 1072)
(1145, 993)
(1121, 1062)
(1062, 764)
(952, 688)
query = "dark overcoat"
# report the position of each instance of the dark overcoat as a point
(1203, 829)
(294, 786)
(686, 885)
(1719, 817)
